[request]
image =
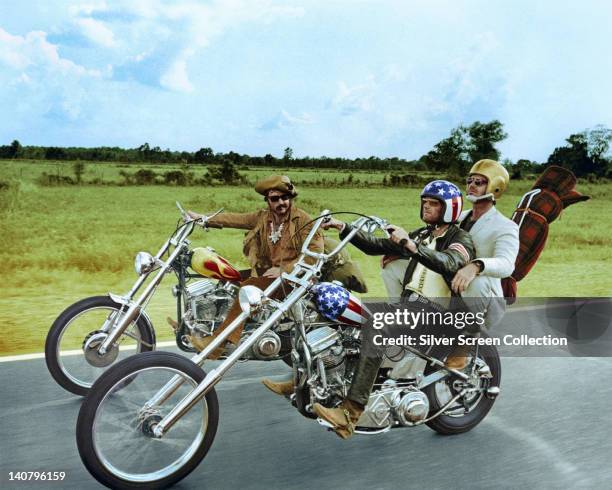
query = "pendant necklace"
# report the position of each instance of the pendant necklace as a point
(275, 234)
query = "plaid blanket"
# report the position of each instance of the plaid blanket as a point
(553, 191)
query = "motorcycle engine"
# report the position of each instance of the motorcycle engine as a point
(208, 303)
(394, 405)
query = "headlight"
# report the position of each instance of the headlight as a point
(250, 298)
(143, 263)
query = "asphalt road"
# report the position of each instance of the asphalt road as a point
(549, 428)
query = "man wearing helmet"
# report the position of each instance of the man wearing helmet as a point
(435, 253)
(496, 239)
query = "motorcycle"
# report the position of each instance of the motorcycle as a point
(149, 420)
(93, 333)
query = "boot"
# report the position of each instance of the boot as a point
(200, 343)
(173, 323)
(342, 418)
(458, 358)
(283, 388)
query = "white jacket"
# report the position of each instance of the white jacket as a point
(496, 239)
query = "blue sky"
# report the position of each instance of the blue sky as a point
(336, 78)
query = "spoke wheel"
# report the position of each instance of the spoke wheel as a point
(469, 410)
(115, 427)
(71, 346)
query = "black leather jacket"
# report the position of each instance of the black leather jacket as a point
(442, 260)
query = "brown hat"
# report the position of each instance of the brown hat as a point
(279, 183)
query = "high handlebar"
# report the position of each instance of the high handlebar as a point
(204, 221)
(369, 224)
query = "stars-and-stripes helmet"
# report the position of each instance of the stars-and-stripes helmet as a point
(449, 195)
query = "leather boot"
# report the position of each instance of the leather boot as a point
(364, 377)
(344, 418)
(283, 388)
(458, 358)
(173, 323)
(200, 343)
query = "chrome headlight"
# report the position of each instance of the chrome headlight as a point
(250, 298)
(143, 263)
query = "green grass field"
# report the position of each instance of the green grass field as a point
(60, 244)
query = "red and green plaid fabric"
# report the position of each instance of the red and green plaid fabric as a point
(557, 191)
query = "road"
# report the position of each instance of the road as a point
(549, 428)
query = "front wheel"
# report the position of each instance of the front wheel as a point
(467, 412)
(71, 345)
(115, 424)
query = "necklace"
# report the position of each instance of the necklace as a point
(275, 233)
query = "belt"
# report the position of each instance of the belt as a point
(413, 296)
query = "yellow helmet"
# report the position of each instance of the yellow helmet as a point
(496, 175)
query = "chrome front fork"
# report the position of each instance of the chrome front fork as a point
(214, 376)
(134, 310)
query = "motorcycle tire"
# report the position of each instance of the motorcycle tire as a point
(119, 450)
(67, 378)
(447, 424)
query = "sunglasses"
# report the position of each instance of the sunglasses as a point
(284, 197)
(477, 182)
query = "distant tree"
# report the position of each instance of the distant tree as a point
(585, 152)
(269, 160)
(450, 154)
(15, 149)
(598, 143)
(464, 146)
(288, 154)
(521, 167)
(234, 157)
(55, 153)
(203, 155)
(482, 139)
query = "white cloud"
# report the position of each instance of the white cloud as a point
(87, 8)
(285, 120)
(178, 31)
(176, 78)
(33, 51)
(96, 31)
(356, 98)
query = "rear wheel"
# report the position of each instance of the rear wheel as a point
(469, 410)
(71, 345)
(115, 426)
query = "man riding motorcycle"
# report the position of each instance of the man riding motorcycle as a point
(435, 253)
(272, 244)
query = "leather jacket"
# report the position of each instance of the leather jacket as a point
(443, 260)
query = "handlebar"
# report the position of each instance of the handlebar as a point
(204, 221)
(369, 224)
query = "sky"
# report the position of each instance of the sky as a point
(336, 78)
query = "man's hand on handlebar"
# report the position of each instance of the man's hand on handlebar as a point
(332, 223)
(400, 236)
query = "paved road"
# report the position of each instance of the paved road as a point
(551, 427)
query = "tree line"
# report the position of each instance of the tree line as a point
(585, 153)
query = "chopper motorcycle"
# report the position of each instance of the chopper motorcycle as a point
(149, 420)
(95, 332)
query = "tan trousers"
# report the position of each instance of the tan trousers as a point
(260, 282)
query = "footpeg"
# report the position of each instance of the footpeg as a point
(493, 392)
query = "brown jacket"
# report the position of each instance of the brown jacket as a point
(258, 248)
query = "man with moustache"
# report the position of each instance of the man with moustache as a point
(272, 243)
(496, 239)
